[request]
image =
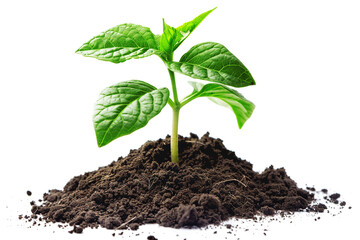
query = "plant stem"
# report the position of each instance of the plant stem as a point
(174, 137)
(173, 85)
(175, 124)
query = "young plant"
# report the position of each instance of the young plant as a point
(128, 106)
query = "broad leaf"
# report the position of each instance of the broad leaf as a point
(223, 95)
(187, 28)
(126, 107)
(121, 43)
(213, 62)
(157, 40)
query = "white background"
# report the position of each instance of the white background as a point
(304, 56)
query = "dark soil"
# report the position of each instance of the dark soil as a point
(209, 185)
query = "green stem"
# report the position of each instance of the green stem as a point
(174, 136)
(175, 124)
(187, 100)
(173, 85)
(171, 103)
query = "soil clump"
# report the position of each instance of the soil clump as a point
(210, 185)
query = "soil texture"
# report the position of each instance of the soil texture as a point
(210, 185)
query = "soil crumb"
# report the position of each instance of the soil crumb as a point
(151, 238)
(210, 185)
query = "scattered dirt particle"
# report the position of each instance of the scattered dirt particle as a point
(151, 238)
(334, 196)
(311, 189)
(228, 226)
(319, 207)
(76, 229)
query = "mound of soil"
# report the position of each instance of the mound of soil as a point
(209, 185)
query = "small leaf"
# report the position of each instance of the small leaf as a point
(170, 37)
(213, 62)
(126, 107)
(173, 37)
(121, 43)
(223, 95)
(187, 28)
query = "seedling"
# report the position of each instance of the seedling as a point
(128, 106)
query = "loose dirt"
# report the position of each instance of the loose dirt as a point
(210, 185)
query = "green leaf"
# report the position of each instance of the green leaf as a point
(121, 43)
(157, 40)
(187, 28)
(170, 37)
(215, 63)
(126, 107)
(224, 96)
